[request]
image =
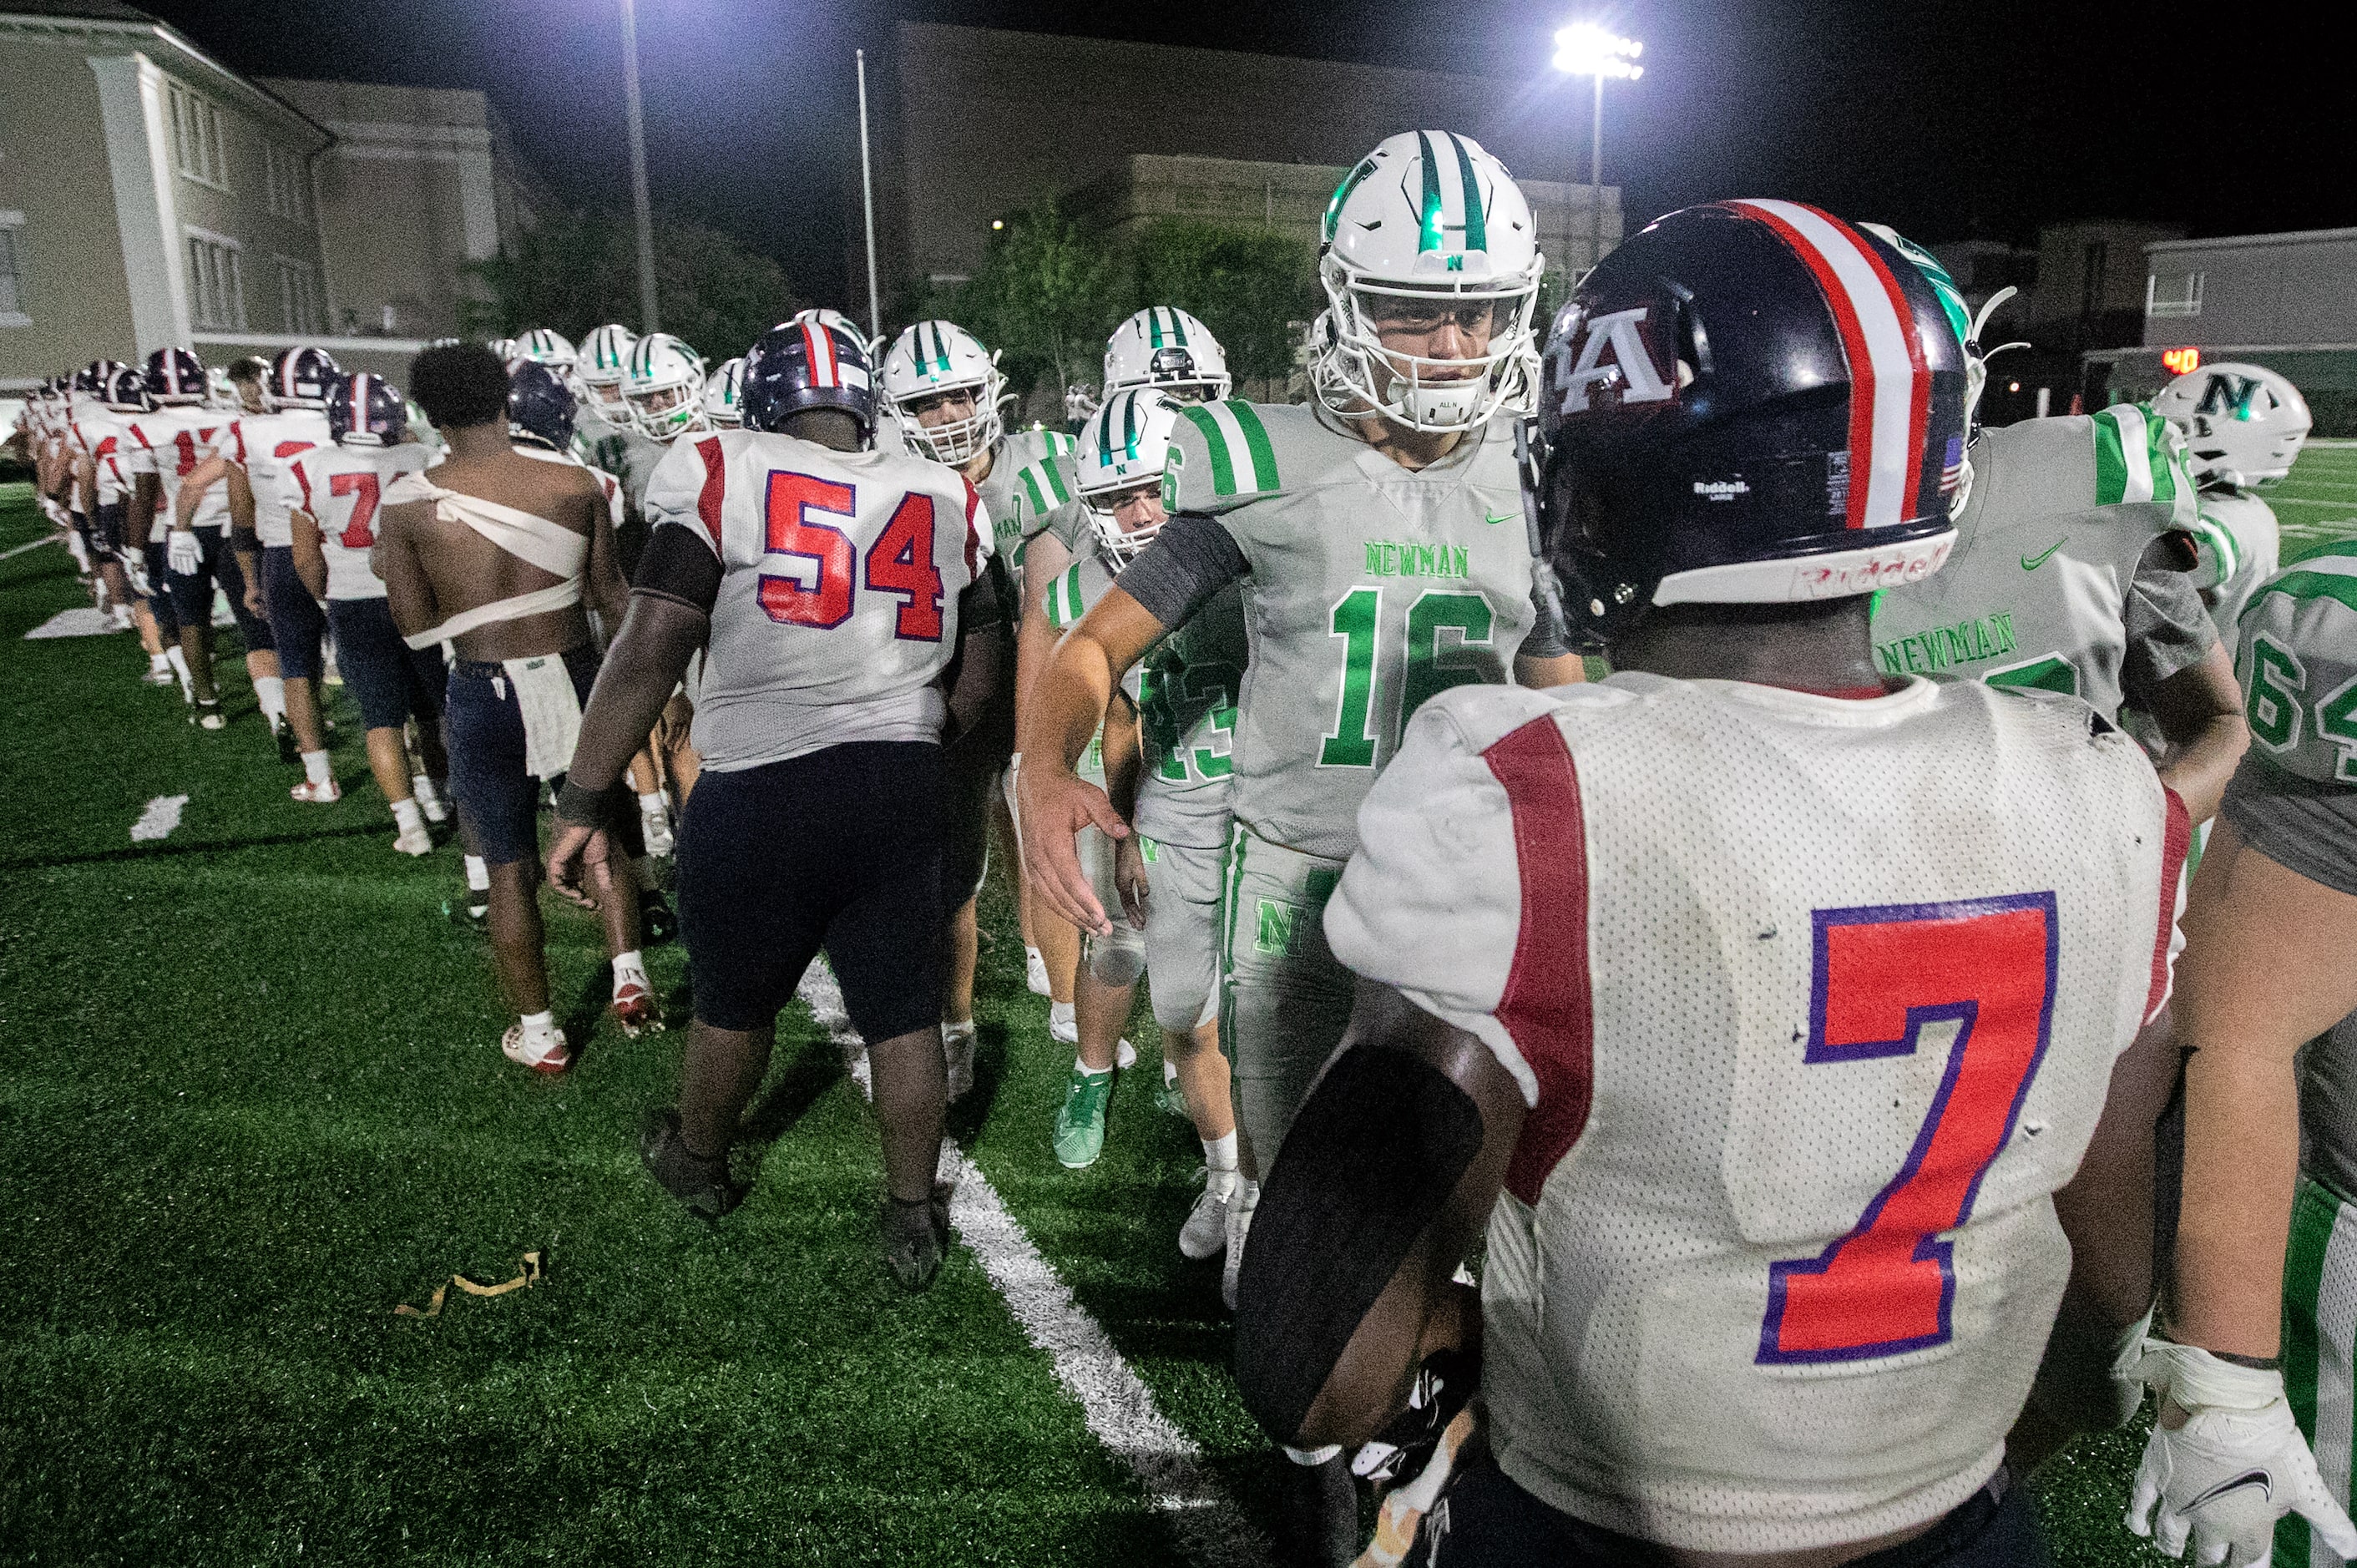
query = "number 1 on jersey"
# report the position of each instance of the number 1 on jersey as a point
(1878, 975)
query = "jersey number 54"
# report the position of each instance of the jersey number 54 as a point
(900, 562)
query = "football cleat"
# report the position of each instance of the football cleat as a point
(916, 1237)
(703, 1184)
(1240, 1213)
(548, 1055)
(473, 911)
(1081, 1119)
(414, 841)
(1205, 1234)
(957, 1057)
(312, 794)
(635, 1010)
(1035, 973)
(1170, 1096)
(207, 716)
(1442, 1386)
(657, 922)
(163, 677)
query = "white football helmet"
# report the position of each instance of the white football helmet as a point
(547, 346)
(604, 358)
(1123, 446)
(2243, 424)
(936, 357)
(505, 347)
(1165, 347)
(721, 390)
(663, 385)
(1426, 224)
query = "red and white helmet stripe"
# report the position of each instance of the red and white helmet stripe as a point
(1890, 383)
(819, 343)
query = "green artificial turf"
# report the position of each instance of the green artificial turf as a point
(251, 1099)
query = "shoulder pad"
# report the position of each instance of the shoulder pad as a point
(1220, 456)
(2140, 457)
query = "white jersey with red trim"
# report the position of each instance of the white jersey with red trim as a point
(1815, 1002)
(341, 488)
(838, 598)
(102, 436)
(264, 445)
(169, 442)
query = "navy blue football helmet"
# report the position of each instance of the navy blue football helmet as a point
(1747, 402)
(93, 378)
(302, 378)
(804, 364)
(540, 404)
(126, 392)
(175, 376)
(366, 410)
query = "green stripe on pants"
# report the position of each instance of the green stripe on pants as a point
(2319, 1336)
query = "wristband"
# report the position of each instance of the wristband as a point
(2199, 1378)
(578, 806)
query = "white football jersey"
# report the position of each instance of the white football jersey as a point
(264, 444)
(169, 442)
(341, 488)
(105, 438)
(2241, 547)
(838, 599)
(1815, 1002)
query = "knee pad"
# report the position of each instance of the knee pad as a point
(1119, 959)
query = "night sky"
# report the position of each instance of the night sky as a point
(1944, 119)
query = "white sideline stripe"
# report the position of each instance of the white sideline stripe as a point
(1118, 1408)
(82, 620)
(15, 550)
(162, 815)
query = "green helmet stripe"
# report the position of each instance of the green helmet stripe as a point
(1477, 225)
(1104, 429)
(1178, 331)
(1429, 231)
(1128, 426)
(1343, 194)
(1154, 329)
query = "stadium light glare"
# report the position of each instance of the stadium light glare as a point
(1584, 48)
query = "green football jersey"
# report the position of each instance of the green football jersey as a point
(1080, 585)
(2036, 591)
(2241, 547)
(1187, 720)
(1369, 589)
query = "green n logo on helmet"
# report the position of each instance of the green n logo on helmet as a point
(2225, 393)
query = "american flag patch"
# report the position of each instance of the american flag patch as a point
(1952, 471)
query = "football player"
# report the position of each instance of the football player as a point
(2243, 426)
(494, 553)
(104, 480)
(1164, 348)
(722, 389)
(1373, 538)
(664, 388)
(254, 458)
(942, 392)
(2259, 1339)
(192, 550)
(338, 490)
(1758, 1046)
(607, 435)
(832, 581)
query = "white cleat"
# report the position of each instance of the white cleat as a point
(312, 794)
(547, 1055)
(414, 841)
(1240, 1213)
(957, 1057)
(1124, 1055)
(657, 828)
(1205, 1234)
(1035, 973)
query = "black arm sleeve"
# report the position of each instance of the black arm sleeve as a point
(678, 566)
(1545, 641)
(1190, 559)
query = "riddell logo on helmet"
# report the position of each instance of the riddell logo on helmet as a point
(1857, 572)
(1721, 489)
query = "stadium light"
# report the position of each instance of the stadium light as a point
(1586, 50)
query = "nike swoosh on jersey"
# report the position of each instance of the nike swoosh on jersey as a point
(2259, 1478)
(2032, 562)
(1493, 521)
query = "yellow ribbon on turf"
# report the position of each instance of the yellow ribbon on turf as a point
(531, 1276)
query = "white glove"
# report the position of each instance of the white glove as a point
(184, 553)
(2236, 1466)
(134, 563)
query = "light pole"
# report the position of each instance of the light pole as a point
(638, 169)
(867, 200)
(1585, 50)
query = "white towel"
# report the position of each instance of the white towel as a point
(551, 713)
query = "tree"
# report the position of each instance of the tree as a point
(576, 270)
(1254, 289)
(1046, 296)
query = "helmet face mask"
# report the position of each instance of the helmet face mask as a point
(663, 387)
(604, 358)
(926, 365)
(1119, 462)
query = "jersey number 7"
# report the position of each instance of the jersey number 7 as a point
(360, 528)
(899, 563)
(1878, 975)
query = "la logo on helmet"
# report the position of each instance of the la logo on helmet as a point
(1633, 369)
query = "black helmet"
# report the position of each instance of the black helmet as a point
(540, 404)
(302, 377)
(805, 364)
(365, 410)
(1747, 402)
(175, 376)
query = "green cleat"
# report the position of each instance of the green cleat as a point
(1168, 1095)
(1081, 1123)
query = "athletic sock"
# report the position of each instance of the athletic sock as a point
(1081, 1067)
(652, 804)
(315, 768)
(424, 789)
(407, 817)
(539, 1026)
(478, 875)
(1032, 955)
(158, 665)
(270, 695)
(629, 967)
(1059, 1015)
(177, 658)
(1219, 1153)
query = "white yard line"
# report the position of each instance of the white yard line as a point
(1117, 1406)
(162, 815)
(14, 551)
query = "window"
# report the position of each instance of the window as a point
(298, 296)
(198, 148)
(2173, 297)
(287, 183)
(12, 271)
(215, 284)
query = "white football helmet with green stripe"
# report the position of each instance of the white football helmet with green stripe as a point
(663, 385)
(2243, 424)
(1122, 446)
(604, 360)
(721, 390)
(934, 357)
(547, 346)
(1425, 227)
(1164, 348)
